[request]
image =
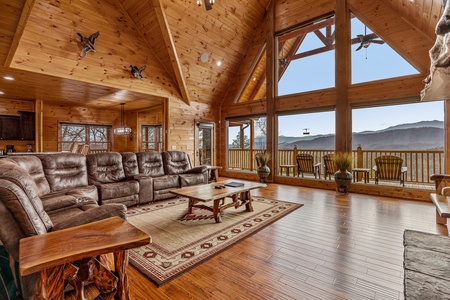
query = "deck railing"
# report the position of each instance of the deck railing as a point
(421, 163)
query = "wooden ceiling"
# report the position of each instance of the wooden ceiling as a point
(39, 46)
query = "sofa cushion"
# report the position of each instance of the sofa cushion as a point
(33, 166)
(150, 163)
(130, 164)
(57, 201)
(87, 214)
(191, 179)
(105, 168)
(166, 182)
(118, 189)
(65, 170)
(176, 162)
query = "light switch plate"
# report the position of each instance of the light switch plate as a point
(188, 147)
(174, 147)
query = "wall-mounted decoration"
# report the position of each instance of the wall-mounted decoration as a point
(88, 43)
(137, 72)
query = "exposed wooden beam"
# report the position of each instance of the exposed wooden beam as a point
(170, 45)
(306, 29)
(271, 88)
(27, 7)
(343, 66)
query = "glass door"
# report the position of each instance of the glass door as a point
(205, 144)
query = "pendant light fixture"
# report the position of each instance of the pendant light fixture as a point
(208, 3)
(122, 130)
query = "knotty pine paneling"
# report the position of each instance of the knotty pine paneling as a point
(9, 18)
(289, 13)
(309, 100)
(146, 21)
(49, 45)
(181, 124)
(423, 14)
(224, 33)
(53, 114)
(12, 107)
(389, 89)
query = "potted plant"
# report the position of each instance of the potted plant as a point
(263, 170)
(343, 177)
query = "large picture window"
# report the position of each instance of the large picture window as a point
(152, 137)
(246, 138)
(98, 137)
(306, 58)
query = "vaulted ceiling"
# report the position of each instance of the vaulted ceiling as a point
(39, 46)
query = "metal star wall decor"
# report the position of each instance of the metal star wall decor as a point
(88, 43)
(137, 72)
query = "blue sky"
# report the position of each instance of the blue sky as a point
(368, 64)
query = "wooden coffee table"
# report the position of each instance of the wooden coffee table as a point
(207, 192)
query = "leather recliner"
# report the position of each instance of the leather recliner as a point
(23, 185)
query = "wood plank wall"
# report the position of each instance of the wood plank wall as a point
(53, 114)
(181, 127)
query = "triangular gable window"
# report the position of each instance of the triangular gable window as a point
(372, 58)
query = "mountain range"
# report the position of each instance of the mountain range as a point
(424, 135)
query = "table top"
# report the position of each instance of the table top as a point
(213, 167)
(361, 169)
(287, 166)
(208, 192)
(52, 249)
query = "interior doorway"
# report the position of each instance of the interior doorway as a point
(204, 141)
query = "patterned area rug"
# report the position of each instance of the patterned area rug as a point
(181, 241)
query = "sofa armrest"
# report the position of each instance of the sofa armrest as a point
(197, 170)
(145, 187)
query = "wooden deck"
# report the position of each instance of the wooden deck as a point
(334, 247)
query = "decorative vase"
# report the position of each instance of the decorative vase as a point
(343, 178)
(263, 173)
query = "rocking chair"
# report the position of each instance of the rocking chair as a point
(329, 166)
(389, 168)
(305, 164)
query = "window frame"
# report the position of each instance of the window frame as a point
(87, 128)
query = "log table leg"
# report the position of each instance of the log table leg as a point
(216, 211)
(121, 263)
(50, 285)
(247, 198)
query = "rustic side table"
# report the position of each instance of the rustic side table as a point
(52, 253)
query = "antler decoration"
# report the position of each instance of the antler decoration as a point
(137, 72)
(88, 43)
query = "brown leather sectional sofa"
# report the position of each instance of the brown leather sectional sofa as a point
(48, 192)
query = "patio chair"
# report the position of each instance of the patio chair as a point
(305, 164)
(329, 166)
(83, 149)
(73, 147)
(389, 167)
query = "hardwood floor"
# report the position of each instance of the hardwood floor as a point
(334, 247)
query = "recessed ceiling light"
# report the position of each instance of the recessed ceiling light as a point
(1, 93)
(219, 63)
(204, 57)
(8, 77)
(254, 78)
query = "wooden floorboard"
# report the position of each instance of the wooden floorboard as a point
(334, 247)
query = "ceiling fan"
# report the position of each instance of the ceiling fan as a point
(367, 39)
